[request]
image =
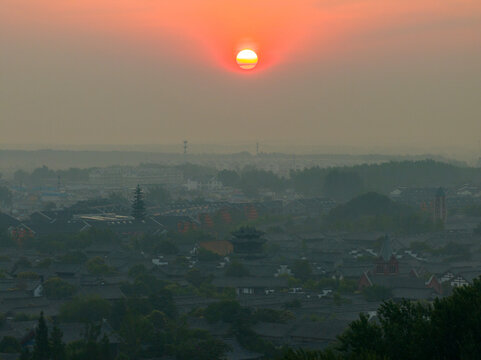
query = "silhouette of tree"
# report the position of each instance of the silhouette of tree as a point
(138, 206)
(57, 347)
(41, 349)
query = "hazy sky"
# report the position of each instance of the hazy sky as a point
(357, 73)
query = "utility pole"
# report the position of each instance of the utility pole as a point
(185, 147)
(257, 148)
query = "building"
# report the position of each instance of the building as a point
(386, 264)
(248, 242)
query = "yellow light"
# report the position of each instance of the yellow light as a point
(247, 59)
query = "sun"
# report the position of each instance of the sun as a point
(247, 59)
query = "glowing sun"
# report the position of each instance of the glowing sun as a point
(247, 59)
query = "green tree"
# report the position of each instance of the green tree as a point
(97, 266)
(25, 354)
(29, 275)
(9, 344)
(199, 345)
(138, 206)
(41, 349)
(57, 347)
(56, 288)
(302, 269)
(85, 309)
(301, 354)
(456, 324)
(229, 178)
(105, 351)
(406, 328)
(88, 347)
(342, 185)
(136, 331)
(361, 336)
(205, 349)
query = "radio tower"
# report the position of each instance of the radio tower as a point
(257, 148)
(185, 147)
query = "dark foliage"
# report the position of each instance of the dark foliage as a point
(9, 344)
(342, 185)
(56, 288)
(138, 206)
(302, 269)
(41, 349)
(376, 212)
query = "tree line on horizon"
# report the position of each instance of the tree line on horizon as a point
(340, 183)
(343, 183)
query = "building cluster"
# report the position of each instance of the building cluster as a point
(347, 273)
(266, 252)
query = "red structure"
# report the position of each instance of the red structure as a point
(386, 264)
(226, 216)
(251, 212)
(206, 220)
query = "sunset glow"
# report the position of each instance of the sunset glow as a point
(247, 59)
(217, 30)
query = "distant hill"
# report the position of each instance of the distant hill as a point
(369, 204)
(376, 212)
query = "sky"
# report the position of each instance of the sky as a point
(366, 74)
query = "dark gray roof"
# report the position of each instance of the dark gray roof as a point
(398, 281)
(318, 331)
(7, 221)
(272, 330)
(250, 282)
(413, 293)
(239, 353)
(76, 331)
(6, 356)
(107, 292)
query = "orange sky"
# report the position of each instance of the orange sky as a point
(336, 72)
(279, 30)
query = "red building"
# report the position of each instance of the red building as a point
(386, 264)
